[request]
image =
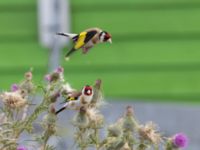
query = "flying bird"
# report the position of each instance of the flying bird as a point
(85, 40)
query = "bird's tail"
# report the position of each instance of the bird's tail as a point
(60, 110)
(69, 53)
(70, 35)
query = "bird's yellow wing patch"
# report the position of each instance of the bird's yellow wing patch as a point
(80, 42)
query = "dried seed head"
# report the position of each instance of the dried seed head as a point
(96, 119)
(114, 130)
(149, 132)
(13, 100)
(81, 119)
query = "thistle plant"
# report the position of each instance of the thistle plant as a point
(19, 113)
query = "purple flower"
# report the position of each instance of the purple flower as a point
(180, 140)
(47, 77)
(21, 148)
(14, 87)
(60, 70)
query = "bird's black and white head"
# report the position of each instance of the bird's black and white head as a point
(87, 90)
(105, 37)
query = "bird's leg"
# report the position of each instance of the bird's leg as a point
(86, 49)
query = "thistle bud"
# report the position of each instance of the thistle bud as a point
(28, 75)
(54, 96)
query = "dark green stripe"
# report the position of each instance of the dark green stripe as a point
(18, 8)
(134, 7)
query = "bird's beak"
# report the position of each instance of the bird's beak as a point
(110, 41)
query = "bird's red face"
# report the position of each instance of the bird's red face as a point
(87, 90)
(105, 37)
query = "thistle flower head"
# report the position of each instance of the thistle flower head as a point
(180, 140)
(114, 130)
(28, 75)
(13, 100)
(81, 119)
(54, 77)
(59, 69)
(96, 119)
(129, 123)
(47, 77)
(149, 132)
(21, 148)
(26, 87)
(54, 96)
(14, 87)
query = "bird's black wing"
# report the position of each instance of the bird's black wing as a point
(90, 35)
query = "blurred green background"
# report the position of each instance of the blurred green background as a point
(154, 56)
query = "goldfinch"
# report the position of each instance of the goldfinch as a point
(87, 39)
(78, 100)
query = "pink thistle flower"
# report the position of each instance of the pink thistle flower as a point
(21, 148)
(180, 140)
(14, 87)
(60, 70)
(47, 77)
